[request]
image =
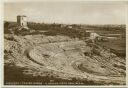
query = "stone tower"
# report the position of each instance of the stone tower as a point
(22, 20)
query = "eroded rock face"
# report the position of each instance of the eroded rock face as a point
(66, 57)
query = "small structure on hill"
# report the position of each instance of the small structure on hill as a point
(94, 35)
(22, 21)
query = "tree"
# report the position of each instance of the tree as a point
(6, 24)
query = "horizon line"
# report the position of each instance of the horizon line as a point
(67, 23)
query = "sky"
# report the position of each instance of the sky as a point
(67, 12)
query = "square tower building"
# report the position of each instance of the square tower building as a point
(22, 20)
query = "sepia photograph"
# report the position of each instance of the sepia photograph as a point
(73, 42)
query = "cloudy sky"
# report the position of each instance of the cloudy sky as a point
(76, 12)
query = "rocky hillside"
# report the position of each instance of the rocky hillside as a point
(63, 58)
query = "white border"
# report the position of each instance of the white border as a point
(1, 43)
(126, 21)
(53, 86)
